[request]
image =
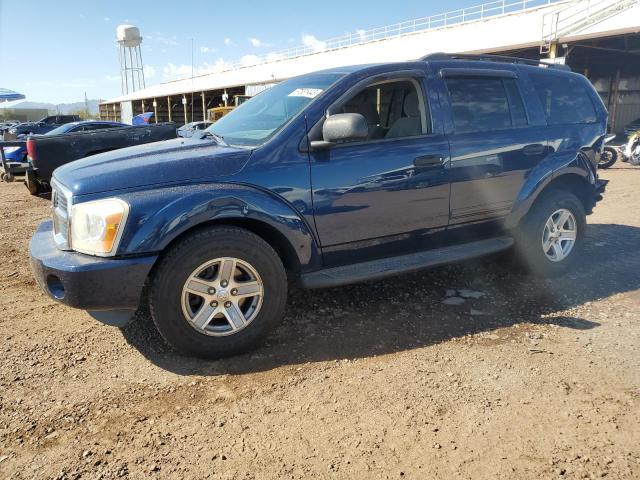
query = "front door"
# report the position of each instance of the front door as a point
(385, 195)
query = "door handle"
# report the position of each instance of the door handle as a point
(428, 161)
(533, 149)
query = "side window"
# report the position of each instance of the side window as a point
(393, 109)
(564, 99)
(482, 104)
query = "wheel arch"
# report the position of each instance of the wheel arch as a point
(274, 237)
(575, 180)
(166, 216)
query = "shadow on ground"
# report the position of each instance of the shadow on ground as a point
(407, 312)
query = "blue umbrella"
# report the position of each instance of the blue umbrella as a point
(6, 95)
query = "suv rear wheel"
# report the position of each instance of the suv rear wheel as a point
(550, 238)
(218, 292)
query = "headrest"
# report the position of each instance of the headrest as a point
(411, 107)
(363, 105)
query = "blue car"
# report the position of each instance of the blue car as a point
(335, 177)
(16, 156)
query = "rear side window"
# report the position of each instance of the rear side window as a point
(482, 104)
(564, 99)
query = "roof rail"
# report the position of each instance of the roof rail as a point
(493, 58)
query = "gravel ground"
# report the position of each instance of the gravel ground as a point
(523, 378)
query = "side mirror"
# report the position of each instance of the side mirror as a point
(341, 127)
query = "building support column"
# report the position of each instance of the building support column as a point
(184, 105)
(204, 108)
(614, 98)
(169, 105)
(155, 110)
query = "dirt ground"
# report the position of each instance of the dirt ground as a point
(534, 379)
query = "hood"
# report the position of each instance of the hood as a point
(157, 163)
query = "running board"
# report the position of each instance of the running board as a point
(387, 267)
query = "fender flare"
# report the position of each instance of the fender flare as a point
(552, 168)
(161, 216)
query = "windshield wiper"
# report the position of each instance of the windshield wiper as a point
(218, 138)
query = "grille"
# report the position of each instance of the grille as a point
(60, 203)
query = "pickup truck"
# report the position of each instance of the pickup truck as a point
(331, 178)
(15, 160)
(48, 152)
(42, 126)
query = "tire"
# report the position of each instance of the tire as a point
(532, 232)
(175, 310)
(31, 183)
(608, 158)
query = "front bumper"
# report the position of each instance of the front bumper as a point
(87, 282)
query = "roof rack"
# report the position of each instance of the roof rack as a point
(494, 58)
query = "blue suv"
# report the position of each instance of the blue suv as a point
(327, 179)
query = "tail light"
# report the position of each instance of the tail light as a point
(31, 148)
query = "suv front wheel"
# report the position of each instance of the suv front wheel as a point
(218, 292)
(550, 238)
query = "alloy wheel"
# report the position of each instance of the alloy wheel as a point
(222, 296)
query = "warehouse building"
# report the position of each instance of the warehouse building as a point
(598, 38)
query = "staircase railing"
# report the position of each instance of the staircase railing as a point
(577, 15)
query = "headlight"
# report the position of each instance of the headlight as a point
(96, 227)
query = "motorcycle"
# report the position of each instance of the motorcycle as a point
(631, 152)
(609, 154)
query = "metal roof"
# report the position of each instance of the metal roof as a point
(491, 27)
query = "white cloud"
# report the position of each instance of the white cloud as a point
(313, 43)
(163, 39)
(112, 78)
(256, 42)
(107, 19)
(204, 49)
(229, 43)
(272, 57)
(250, 60)
(173, 71)
(149, 71)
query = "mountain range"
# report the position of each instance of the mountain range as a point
(64, 108)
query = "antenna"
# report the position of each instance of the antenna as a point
(131, 68)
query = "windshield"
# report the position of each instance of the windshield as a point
(61, 129)
(258, 119)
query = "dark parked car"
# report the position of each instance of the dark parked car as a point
(42, 126)
(16, 156)
(327, 179)
(48, 152)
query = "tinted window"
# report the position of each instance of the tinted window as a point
(480, 104)
(564, 99)
(97, 126)
(391, 109)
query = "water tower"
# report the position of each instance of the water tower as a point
(131, 70)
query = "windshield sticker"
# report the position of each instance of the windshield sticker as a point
(306, 92)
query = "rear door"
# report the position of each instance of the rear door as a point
(493, 143)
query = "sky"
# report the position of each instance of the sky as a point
(56, 50)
